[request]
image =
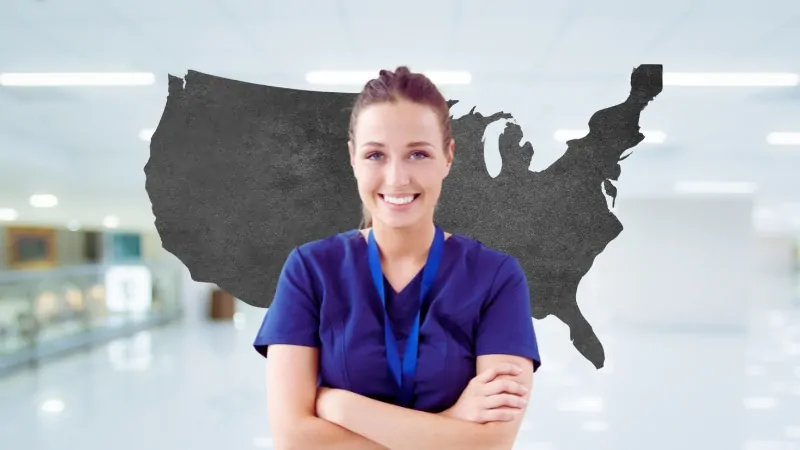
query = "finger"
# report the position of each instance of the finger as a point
(499, 415)
(504, 386)
(495, 371)
(504, 401)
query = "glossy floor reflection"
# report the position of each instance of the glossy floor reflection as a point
(201, 386)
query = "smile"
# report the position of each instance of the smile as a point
(401, 200)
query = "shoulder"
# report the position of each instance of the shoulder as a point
(333, 249)
(317, 262)
(482, 260)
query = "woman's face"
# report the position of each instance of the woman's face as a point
(399, 162)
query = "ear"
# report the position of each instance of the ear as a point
(450, 154)
(351, 149)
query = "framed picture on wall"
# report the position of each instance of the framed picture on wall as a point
(92, 246)
(30, 248)
(125, 247)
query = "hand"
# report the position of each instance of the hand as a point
(492, 396)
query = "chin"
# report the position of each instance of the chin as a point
(399, 223)
(398, 218)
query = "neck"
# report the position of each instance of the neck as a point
(404, 244)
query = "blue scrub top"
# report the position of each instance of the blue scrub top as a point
(325, 298)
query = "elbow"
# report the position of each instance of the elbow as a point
(496, 436)
(291, 436)
(499, 445)
(289, 445)
(285, 441)
(290, 442)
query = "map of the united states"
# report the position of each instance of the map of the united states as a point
(241, 173)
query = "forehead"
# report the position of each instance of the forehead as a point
(397, 122)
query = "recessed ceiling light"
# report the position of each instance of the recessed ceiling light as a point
(764, 214)
(262, 442)
(346, 77)
(715, 187)
(595, 426)
(650, 136)
(760, 402)
(111, 222)
(731, 79)
(146, 134)
(43, 201)
(77, 79)
(8, 215)
(53, 406)
(586, 404)
(73, 225)
(783, 138)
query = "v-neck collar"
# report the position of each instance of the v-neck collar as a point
(405, 288)
(356, 234)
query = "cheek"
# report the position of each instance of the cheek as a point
(432, 178)
(367, 178)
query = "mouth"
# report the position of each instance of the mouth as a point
(399, 200)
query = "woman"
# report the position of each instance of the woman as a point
(337, 376)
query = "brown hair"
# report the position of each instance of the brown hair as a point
(392, 87)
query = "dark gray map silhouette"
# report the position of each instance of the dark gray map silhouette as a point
(240, 173)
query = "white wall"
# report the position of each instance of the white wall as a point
(680, 262)
(151, 247)
(775, 254)
(195, 296)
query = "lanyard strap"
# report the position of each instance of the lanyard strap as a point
(404, 377)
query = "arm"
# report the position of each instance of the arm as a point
(290, 335)
(400, 428)
(292, 393)
(505, 334)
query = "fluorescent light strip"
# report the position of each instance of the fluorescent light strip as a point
(781, 138)
(53, 406)
(715, 187)
(111, 222)
(146, 134)
(43, 201)
(8, 215)
(77, 79)
(731, 79)
(334, 77)
(650, 136)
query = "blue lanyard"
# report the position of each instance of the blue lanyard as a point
(409, 365)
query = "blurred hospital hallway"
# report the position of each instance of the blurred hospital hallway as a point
(198, 384)
(107, 344)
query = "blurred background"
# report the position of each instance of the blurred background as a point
(106, 342)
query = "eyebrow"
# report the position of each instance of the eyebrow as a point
(410, 144)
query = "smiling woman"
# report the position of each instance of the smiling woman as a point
(399, 335)
(389, 110)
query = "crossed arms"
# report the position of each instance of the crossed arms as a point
(301, 419)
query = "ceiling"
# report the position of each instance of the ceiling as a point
(551, 64)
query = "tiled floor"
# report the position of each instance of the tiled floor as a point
(200, 386)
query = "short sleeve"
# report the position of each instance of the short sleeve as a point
(293, 316)
(506, 323)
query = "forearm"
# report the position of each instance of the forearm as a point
(399, 428)
(313, 433)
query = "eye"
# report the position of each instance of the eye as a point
(373, 155)
(419, 155)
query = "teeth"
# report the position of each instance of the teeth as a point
(398, 200)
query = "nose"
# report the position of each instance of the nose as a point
(397, 173)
